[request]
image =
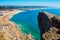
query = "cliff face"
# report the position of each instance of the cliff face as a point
(49, 25)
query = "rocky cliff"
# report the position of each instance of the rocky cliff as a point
(49, 25)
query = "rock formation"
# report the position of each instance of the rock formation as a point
(49, 25)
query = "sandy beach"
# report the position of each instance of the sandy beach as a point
(9, 27)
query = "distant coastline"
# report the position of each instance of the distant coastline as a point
(22, 7)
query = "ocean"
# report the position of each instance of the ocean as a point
(27, 22)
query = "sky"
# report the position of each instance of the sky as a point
(55, 3)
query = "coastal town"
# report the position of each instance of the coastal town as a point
(8, 30)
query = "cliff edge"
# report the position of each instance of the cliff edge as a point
(49, 25)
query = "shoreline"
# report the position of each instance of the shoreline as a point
(9, 27)
(15, 13)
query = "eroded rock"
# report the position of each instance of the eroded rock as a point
(49, 25)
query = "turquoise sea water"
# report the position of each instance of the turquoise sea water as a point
(26, 21)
